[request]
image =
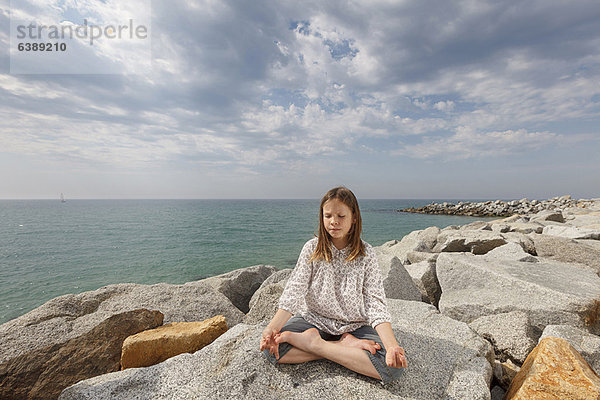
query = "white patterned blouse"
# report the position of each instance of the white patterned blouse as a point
(338, 296)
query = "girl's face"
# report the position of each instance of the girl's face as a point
(338, 220)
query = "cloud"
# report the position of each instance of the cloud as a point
(444, 106)
(467, 143)
(277, 85)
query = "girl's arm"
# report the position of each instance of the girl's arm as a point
(279, 319)
(395, 356)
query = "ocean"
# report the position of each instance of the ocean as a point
(49, 248)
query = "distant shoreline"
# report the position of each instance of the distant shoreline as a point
(497, 208)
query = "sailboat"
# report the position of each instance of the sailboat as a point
(62, 198)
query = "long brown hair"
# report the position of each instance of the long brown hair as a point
(357, 248)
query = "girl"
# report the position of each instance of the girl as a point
(337, 289)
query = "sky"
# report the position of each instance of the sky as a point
(287, 99)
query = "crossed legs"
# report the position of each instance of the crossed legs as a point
(349, 351)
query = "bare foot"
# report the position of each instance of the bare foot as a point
(352, 341)
(304, 341)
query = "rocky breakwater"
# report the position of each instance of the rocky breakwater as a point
(512, 280)
(498, 208)
(78, 336)
(468, 303)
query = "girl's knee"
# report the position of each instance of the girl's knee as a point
(387, 374)
(390, 374)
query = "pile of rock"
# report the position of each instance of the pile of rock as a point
(469, 304)
(498, 208)
(514, 281)
(74, 337)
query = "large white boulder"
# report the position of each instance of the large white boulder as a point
(447, 360)
(588, 220)
(510, 251)
(572, 232)
(474, 241)
(72, 315)
(548, 291)
(524, 227)
(568, 250)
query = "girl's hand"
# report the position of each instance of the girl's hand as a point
(267, 342)
(395, 357)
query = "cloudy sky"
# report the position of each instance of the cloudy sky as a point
(285, 99)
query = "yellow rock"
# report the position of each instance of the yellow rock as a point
(156, 345)
(554, 370)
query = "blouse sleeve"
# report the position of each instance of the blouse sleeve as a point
(292, 298)
(373, 292)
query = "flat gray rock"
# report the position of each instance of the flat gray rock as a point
(72, 315)
(474, 241)
(568, 250)
(590, 242)
(480, 241)
(510, 333)
(585, 343)
(510, 251)
(233, 368)
(549, 292)
(585, 220)
(525, 227)
(572, 232)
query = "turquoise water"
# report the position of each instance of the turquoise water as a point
(49, 248)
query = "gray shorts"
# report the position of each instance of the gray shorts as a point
(299, 324)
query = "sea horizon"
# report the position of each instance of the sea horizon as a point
(268, 198)
(49, 248)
